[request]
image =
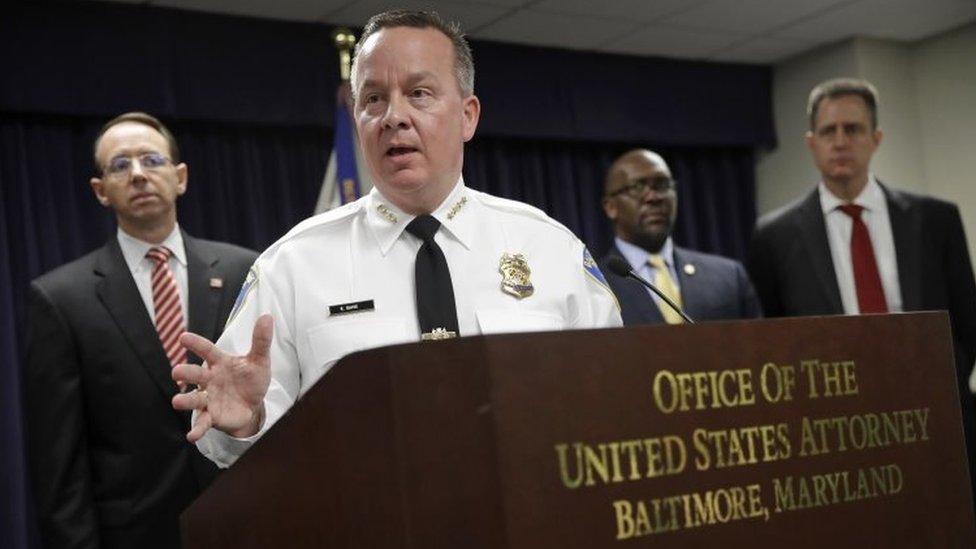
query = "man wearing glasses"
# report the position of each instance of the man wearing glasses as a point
(641, 202)
(110, 466)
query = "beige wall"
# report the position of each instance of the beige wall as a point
(945, 84)
(928, 114)
(899, 159)
(786, 172)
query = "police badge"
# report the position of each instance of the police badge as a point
(515, 275)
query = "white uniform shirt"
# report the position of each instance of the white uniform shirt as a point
(839, 229)
(134, 251)
(361, 252)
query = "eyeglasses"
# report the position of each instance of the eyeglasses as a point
(639, 187)
(122, 165)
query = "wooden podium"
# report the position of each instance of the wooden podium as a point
(839, 431)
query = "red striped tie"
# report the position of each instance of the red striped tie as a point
(867, 281)
(166, 301)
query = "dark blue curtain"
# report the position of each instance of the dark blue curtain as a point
(247, 185)
(716, 196)
(102, 58)
(250, 102)
(14, 507)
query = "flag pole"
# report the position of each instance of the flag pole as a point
(345, 179)
(345, 41)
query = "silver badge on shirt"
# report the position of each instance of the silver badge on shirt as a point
(515, 275)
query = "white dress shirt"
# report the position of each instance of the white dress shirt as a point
(360, 252)
(839, 229)
(637, 257)
(134, 251)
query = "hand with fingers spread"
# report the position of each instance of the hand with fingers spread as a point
(230, 389)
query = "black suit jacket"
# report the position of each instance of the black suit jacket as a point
(110, 464)
(791, 266)
(712, 288)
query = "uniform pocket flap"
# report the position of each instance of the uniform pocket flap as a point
(514, 321)
(333, 340)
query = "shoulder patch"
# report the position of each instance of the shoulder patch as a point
(589, 264)
(596, 275)
(249, 284)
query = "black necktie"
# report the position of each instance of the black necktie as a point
(435, 294)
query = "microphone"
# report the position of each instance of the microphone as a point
(620, 267)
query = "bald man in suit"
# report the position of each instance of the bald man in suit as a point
(640, 200)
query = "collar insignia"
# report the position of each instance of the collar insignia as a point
(387, 213)
(457, 207)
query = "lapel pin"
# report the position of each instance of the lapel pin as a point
(216, 282)
(689, 269)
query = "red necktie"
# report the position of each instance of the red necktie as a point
(166, 301)
(870, 293)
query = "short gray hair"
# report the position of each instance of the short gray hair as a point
(837, 87)
(138, 118)
(463, 61)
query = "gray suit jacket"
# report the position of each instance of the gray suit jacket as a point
(712, 288)
(110, 465)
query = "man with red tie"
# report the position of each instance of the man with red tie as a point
(110, 466)
(853, 245)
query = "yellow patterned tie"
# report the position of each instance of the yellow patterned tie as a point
(664, 282)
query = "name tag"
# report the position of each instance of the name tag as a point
(354, 307)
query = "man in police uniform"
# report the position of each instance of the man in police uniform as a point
(360, 276)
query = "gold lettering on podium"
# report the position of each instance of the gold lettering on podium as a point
(641, 518)
(829, 379)
(700, 390)
(588, 465)
(862, 431)
(741, 446)
(582, 464)
(795, 493)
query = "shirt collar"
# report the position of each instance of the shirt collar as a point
(134, 250)
(637, 256)
(387, 222)
(871, 198)
(456, 214)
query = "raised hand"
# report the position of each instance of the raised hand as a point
(230, 389)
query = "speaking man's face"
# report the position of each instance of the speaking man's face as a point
(412, 119)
